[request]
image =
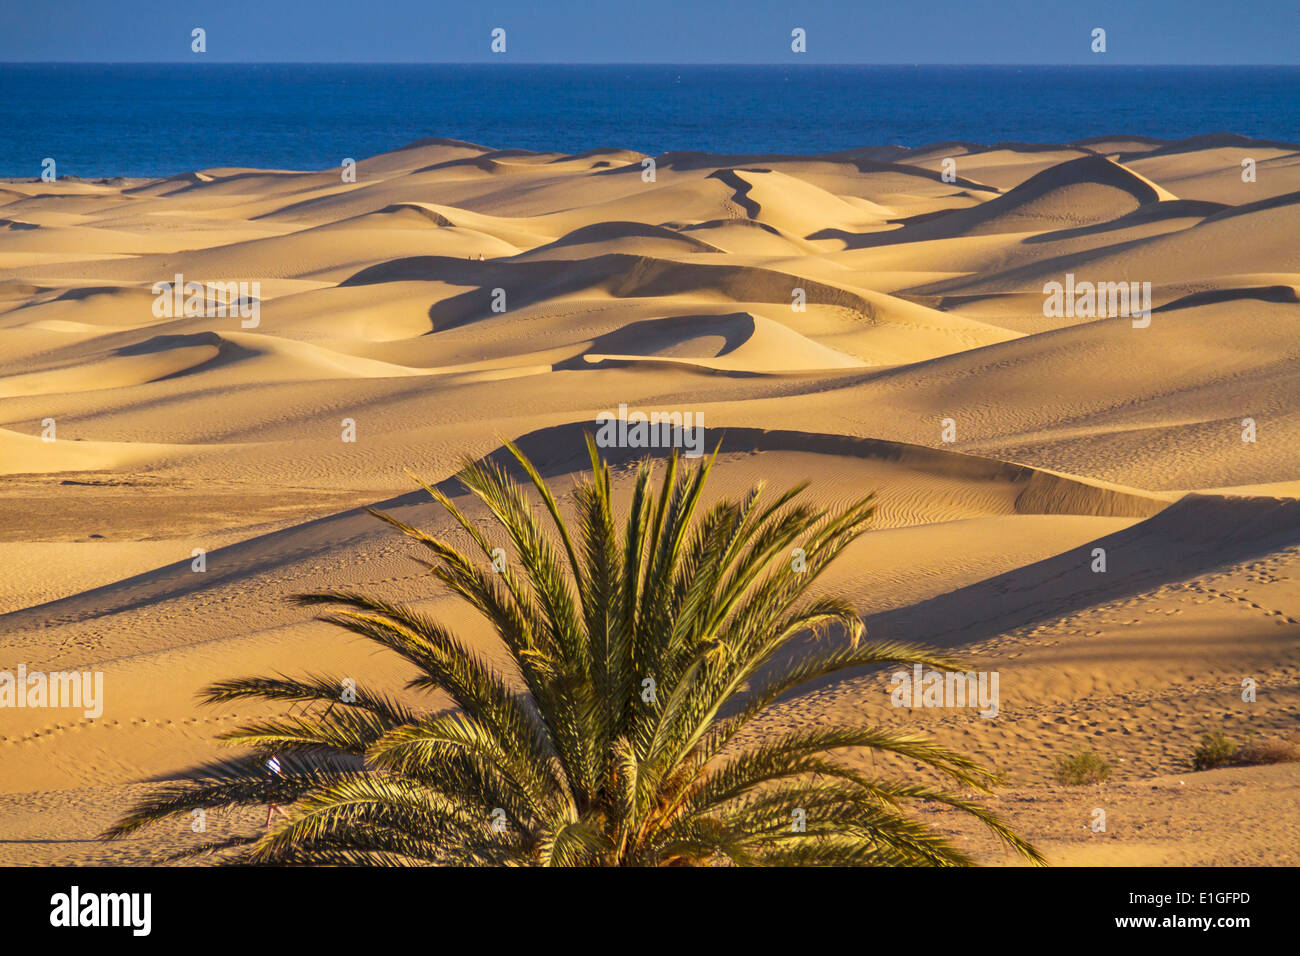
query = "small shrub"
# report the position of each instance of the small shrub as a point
(1215, 750)
(1081, 768)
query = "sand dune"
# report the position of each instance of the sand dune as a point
(633, 238)
(853, 318)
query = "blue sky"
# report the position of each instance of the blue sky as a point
(665, 31)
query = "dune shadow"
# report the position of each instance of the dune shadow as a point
(650, 336)
(1143, 215)
(500, 284)
(1281, 294)
(1195, 536)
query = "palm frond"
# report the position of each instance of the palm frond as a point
(639, 647)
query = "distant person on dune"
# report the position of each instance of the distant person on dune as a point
(273, 775)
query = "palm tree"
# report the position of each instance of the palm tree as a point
(639, 655)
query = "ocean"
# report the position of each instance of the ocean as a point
(101, 120)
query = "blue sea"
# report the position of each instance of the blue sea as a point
(157, 120)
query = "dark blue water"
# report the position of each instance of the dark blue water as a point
(156, 120)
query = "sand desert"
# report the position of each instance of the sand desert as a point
(870, 320)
